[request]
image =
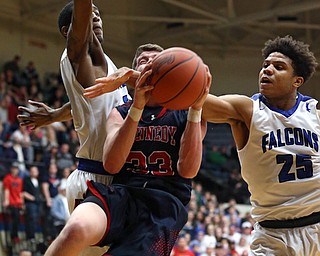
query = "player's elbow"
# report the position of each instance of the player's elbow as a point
(187, 173)
(111, 167)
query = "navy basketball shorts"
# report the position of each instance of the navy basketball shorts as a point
(140, 221)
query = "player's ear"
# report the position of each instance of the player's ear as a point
(298, 81)
(64, 31)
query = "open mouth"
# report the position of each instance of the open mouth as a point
(265, 80)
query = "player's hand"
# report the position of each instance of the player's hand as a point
(199, 103)
(109, 83)
(143, 89)
(36, 117)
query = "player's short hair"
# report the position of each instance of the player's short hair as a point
(303, 60)
(65, 15)
(145, 48)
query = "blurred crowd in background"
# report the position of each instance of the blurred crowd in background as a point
(34, 166)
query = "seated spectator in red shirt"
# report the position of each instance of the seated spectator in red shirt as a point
(181, 248)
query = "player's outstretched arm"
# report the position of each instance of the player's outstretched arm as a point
(41, 115)
(110, 83)
(121, 133)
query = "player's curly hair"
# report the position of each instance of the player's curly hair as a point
(145, 48)
(303, 60)
(65, 15)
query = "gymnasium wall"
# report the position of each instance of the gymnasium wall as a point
(231, 74)
(43, 49)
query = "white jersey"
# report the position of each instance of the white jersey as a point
(89, 115)
(89, 118)
(281, 161)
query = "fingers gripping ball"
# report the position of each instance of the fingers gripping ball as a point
(179, 78)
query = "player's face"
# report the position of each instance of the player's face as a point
(97, 23)
(145, 58)
(276, 77)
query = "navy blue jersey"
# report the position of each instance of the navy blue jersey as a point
(152, 161)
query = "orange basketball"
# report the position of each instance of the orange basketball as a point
(179, 78)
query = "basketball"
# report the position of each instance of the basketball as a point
(179, 78)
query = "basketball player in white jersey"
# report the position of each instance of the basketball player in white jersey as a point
(277, 133)
(81, 63)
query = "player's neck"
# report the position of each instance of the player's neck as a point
(280, 103)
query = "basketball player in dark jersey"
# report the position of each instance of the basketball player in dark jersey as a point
(155, 153)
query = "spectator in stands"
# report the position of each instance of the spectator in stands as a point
(189, 227)
(216, 219)
(9, 154)
(39, 141)
(247, 217)
(193, 205)
(246, 230)
(209, 237)
(242, 246)
(12, 79)
(34, 90)
(13, 199)
(13, 65)
(215, 156)
(232, 203)
(64, 176)
(234, 219)
(238, 187)
(207, 218)
(212, 208)
(199, 221)
(30, 73)
(181, 248)
(50, 155)
(219, 234)
(20, 94)
(59, 209)
(233, 234)
(4, 119)
(64, 158)
(22, 145)
(199, 240)
(9, 111)
(51, 81)
(57, 133)
(232, 248)
(58, 96)
(209, 251)
(33, 200)
(198, 192)
(209, 197)
(49, 185)
(195, 247)
(225, 223)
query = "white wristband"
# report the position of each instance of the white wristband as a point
(194, 116)
(135, 113)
